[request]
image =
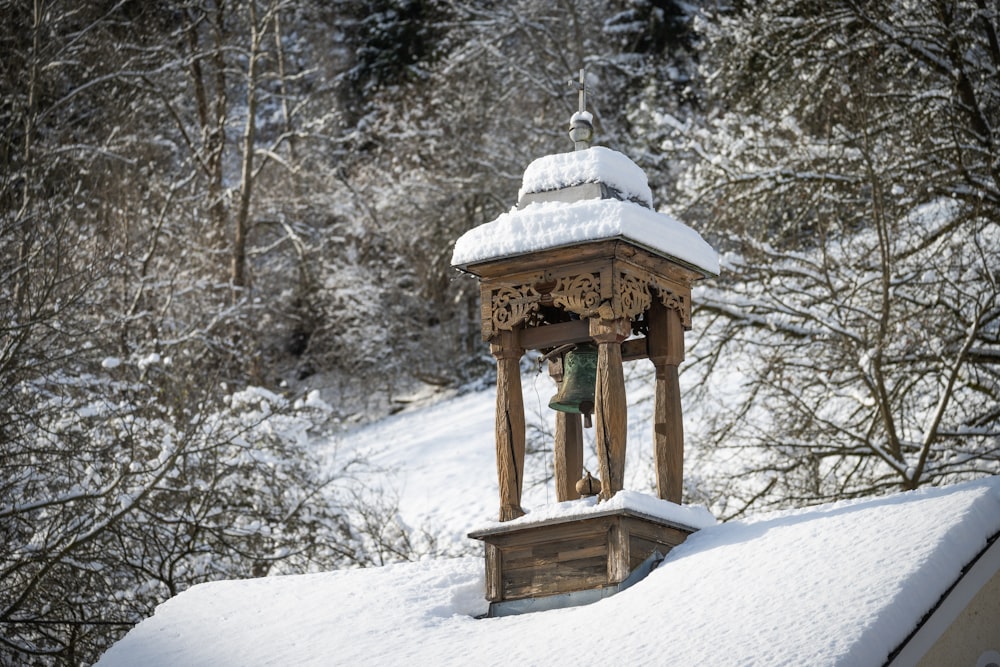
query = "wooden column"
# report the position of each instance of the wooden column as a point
(568, 454)
(509, 423)
(610, 415)
(666, 351)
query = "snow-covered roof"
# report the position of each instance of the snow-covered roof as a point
(843, 583)
(694, 517)
(593, 165)
(543, 225)
(546, 225)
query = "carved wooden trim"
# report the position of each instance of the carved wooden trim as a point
(674, 301)
(510, 306)
(586, 291)
(633, 294)
(579, 294)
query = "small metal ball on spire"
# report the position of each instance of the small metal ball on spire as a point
(581, 124)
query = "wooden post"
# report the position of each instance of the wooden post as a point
(494, 573)
(618, 553)
(568, 454)
(509, 423)
(610, 415)
(666, 351)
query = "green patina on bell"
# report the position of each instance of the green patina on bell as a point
(576, 393)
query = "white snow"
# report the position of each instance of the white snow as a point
(838, 584)
(690, 516)
(150, 359)
(545, 225)
(593, 165)
(439, 462)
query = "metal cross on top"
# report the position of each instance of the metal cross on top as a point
(582, 87)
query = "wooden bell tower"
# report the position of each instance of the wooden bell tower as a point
(584, 259)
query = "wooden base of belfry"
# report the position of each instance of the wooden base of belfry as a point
(570, 561)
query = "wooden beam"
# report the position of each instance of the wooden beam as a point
(554, 335)
(634, 349)
(575, 331)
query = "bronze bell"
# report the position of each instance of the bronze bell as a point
(576, 393)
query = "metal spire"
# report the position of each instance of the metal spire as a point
(581, 124)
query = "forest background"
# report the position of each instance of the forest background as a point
(204, 203)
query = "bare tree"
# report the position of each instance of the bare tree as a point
(849, 172)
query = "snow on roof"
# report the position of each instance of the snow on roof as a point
(545, 225)
(838, 584)
(689, 516)
(593, 165)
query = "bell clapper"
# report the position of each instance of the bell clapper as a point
(588, 485)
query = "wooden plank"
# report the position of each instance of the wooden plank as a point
(640, 549)
(494, 574)
(554, 335)
(578, 528)
(555, 579)
(553, 550)
(667, 535)
(634, 349)
(575, 331)
(618, 554)
(518, 559)
(506, 266)
(607, 250)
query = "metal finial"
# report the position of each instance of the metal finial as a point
(581, 124)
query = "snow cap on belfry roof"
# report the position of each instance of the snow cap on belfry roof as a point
(595, 194)
(593, 173)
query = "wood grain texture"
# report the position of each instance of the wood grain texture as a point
(618, 553)
(597, 252)
(665, 344)
(668, 434)
(567, 459)
(494, 573)
(610, 411)
(568, 455)
(509, 420)
(574, 555)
